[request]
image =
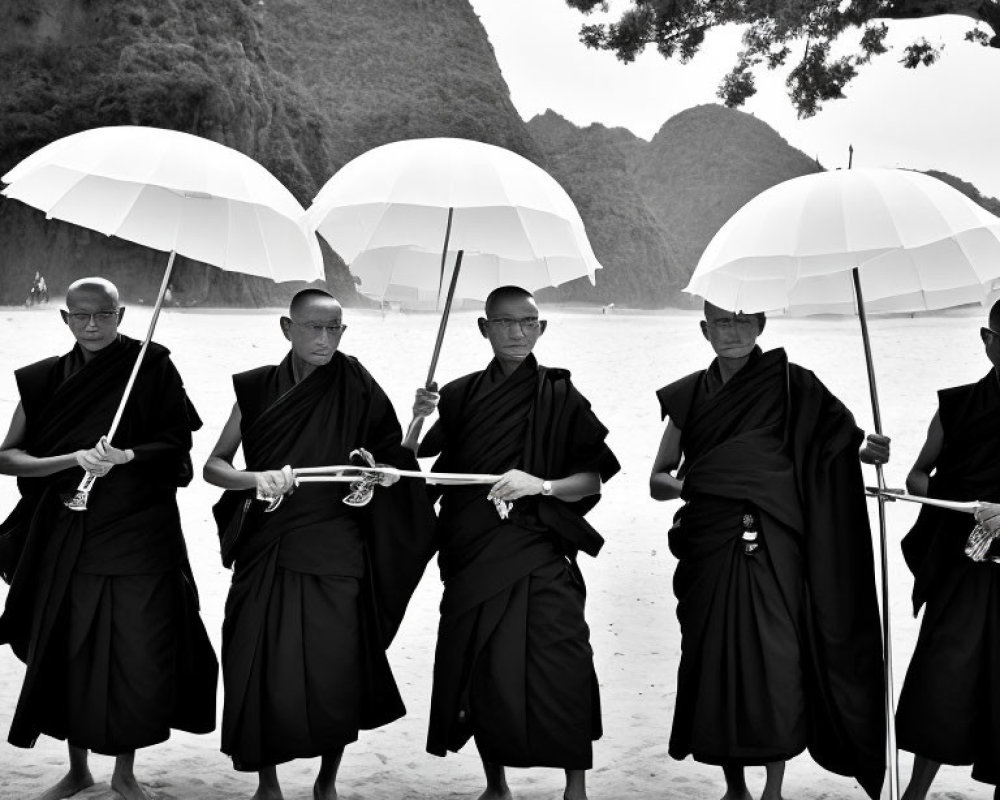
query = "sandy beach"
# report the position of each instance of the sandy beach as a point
(618, 361)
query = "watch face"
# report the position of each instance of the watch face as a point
(546, 487)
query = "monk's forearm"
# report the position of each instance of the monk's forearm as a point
(664, 486)
(576, 487)
(220, 472)
(918, 482)
(412, 439)
(15, 461)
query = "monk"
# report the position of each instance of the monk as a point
(319, 587)
(513, 666)
(102, 606)
(781, 647)
(948, 709)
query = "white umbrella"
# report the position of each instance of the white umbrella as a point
(838, 242)
(396, 212)
(173, 192)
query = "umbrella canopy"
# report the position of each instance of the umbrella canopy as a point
(919, 244)
(174, 192)
(512, 220)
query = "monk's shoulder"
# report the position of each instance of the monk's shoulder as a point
(359, 372)
(676, 398)
(459, 385)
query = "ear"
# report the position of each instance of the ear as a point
(121, 314)
(762, 322)
(482, 327)
(64, 315)
(286, 325)
(704, 329)
(542, 325)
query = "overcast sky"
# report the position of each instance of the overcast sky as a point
(943, 117)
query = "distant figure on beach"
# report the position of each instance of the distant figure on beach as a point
(513, 666)
(319, 587)
(781, 644)
(948, 711)
(39, 292)
(102, 605)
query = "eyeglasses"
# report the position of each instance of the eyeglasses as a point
(988, 333)
(526, 324)
(99, 317)
(729, 323)
(317, 330)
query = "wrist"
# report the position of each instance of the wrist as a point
(129, 455)
(546, 489)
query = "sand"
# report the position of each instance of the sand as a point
(618, 361)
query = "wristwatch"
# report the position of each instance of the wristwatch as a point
(547, 488)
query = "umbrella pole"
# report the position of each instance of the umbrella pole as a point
(890, 706)
(78, 502)
(413, 432)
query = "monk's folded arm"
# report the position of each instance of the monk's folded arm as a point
(16, 461)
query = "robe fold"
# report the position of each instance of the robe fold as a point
(513, 665)
(949, 707)
(781, 645)
(319, 588)
(102, 606)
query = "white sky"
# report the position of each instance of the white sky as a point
(944, 117)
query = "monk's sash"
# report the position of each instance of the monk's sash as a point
(966, 469)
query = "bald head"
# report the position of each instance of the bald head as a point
(309, 297)
(713, 311)
(95, 288)
(505, 293)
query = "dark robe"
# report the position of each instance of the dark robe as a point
(102, 605)
(781, 646)
(513, 665)
(949, 708)
(319, 588)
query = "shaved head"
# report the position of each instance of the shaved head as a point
(93, 287)
(309, 297)
(507, 293)
(713, 311)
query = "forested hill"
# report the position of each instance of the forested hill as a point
(304, 86)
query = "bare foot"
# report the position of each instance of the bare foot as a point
(496, 794)
(324, 790)
(738, 794)
(71, 783)
(128, 787)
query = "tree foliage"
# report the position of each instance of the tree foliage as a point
(795, 34)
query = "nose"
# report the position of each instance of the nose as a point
(516, 331)
(91, 324)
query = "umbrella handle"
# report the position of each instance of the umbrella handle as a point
(78, 502)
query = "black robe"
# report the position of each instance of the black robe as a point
(513, 665)
(102, 606)
(319, 588)
(949, 708)
(781, 645)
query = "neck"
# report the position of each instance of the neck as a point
(509, 365)
(301, 369)
(730, 366)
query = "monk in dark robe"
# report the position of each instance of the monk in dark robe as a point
(780, 636)
(319, 587)
(513, 666)
(949, 710)
(102, 606)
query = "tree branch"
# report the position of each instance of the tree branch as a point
(985, 11)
